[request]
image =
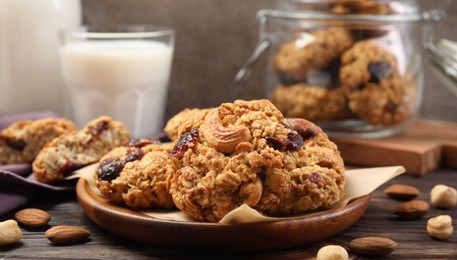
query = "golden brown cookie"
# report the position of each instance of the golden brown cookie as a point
(67, 153)
(360, 7)
(21, 142)
(186, 116)
(311, 102)
(246, 152)
(136, 175)
(376, 90)
(315, 50)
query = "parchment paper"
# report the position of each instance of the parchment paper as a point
(359, 182)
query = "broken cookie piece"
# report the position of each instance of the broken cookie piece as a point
(70, 152)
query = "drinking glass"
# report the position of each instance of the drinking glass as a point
(119, 71)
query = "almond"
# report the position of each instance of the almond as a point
(412, 209)
(66, 234)
(372, 246)
(32, 218)
(402, 192)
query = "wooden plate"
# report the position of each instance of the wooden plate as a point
(283, 233)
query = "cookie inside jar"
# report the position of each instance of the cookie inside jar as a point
(353, 67)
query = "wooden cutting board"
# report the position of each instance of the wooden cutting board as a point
(424, 146)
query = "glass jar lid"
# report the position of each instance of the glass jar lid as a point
(352, 7)
(387, 11)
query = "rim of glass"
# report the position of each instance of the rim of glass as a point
(117, 31)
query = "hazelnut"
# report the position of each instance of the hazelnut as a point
(440, 227)
(10, 232)
(443, 196)
(332, 252)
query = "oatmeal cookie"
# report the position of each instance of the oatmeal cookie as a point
(360, 7)
(136, 175)
(311, 102)
(21, 141)
(362, 31)
(186, 116)
(374, 86)
(315, 50)
(246, 152)
(69, 152)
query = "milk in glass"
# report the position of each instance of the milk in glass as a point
(125, 79)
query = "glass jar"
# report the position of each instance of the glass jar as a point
(352, 67)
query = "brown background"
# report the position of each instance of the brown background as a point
(215, 37)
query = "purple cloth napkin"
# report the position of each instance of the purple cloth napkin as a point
(17, 183)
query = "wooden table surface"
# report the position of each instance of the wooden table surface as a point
(411, 236)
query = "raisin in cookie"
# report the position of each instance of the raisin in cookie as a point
(136, 175)
(186, 116)
(315, 50)
(311, 102)
(21, 141)
(246, 152)
(72, 151)
(372, 82)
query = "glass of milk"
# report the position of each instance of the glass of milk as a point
(122, 72)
